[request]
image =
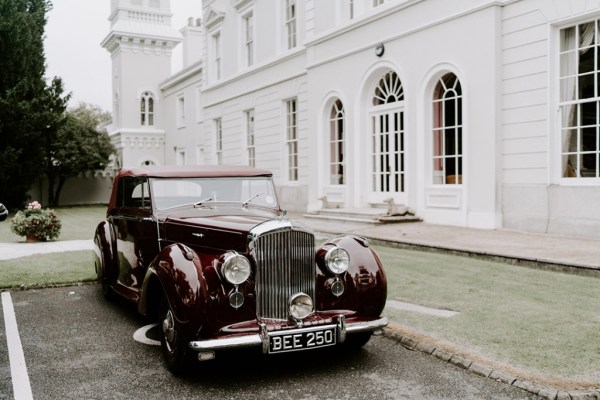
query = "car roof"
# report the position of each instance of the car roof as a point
(194, 171)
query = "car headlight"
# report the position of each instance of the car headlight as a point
(236, 268)
(301, 306)
(337, 260)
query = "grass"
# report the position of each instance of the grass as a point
(47, 270)
(77, 223)
(54, 268)
(542, 322)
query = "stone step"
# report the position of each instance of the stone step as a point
(359, 217)
(352, 213)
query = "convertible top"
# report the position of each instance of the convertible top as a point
(194, 171)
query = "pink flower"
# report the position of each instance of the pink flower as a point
(34, 205)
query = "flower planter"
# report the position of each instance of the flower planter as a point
(36, 224)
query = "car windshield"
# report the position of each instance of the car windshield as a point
(175, 192)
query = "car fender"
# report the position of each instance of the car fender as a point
(365, 281)
(177, 272)
(105, 256)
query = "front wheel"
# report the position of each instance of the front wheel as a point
(173, 345)
(357, 340)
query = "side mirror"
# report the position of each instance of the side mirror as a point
(3, 212)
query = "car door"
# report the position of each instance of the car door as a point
(136, 234)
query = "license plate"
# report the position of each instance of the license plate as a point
(302, 339)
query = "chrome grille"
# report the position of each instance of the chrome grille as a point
(285, 265)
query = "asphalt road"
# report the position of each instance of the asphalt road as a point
(78, 346)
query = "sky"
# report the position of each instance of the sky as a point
(74, 32)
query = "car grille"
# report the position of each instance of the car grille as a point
(285, 265)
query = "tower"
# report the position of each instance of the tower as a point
(140, 43)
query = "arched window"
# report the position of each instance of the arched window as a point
(147, 109)
(387, 136)
(336, 143)
(388, 90)
(447, 131)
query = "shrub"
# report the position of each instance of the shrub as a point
(36, 223)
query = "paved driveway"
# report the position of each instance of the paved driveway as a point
(78, 346)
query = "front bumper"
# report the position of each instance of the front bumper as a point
(262, 338)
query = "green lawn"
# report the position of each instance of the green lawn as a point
(77, 223)
(55, 268)
(47, 270)
(542, 322)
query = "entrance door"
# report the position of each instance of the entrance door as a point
(387, 144)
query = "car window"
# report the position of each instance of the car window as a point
(173, 192)
(133, 193)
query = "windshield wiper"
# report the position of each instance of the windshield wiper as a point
(199, 203)
(245, 204)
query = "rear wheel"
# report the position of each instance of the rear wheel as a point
(173, 345)
(107, 291)
(100, 265)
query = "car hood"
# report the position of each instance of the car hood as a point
(218, 228)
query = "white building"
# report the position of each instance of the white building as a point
(474, 113)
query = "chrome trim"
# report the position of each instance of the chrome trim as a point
(269, 226)
(367, 326)
(264, 334)
(262, 338)
(301, 330)
(226, 343)
(274, 225)
(285, 265)
(341, 329)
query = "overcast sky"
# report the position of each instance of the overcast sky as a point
(74, 32)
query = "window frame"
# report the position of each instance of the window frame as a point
(180, 111)
(147, 105)
(250, 137)
(180, 156)
(337, 119)
(440, 148)
(570, 112)
(218, 129)
(290, 17)
(216, 52)
(248, 38)
(291, 139)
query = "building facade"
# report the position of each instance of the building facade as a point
(475, 113)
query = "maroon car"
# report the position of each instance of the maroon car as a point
(210, 252)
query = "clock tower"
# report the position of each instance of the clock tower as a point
(140, 42)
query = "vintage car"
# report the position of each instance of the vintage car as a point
(209, 251)
(3, 212)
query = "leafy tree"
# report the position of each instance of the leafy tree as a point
(31, 110)
(81, 145)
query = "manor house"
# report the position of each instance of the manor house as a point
(475, 113)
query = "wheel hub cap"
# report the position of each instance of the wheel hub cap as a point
(168, 326)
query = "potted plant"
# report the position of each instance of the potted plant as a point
(36, 224)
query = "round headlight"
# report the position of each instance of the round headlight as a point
(301, 306)
(236, 268)
(337, 260)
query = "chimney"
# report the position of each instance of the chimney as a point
(192, 41)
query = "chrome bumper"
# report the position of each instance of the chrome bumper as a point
(262, 338)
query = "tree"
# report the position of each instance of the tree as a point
(31, 109)
(81, 145)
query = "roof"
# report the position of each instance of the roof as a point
(194, 171)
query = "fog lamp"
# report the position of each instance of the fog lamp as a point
(236, 300)
(301, 306)
(337, 288)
